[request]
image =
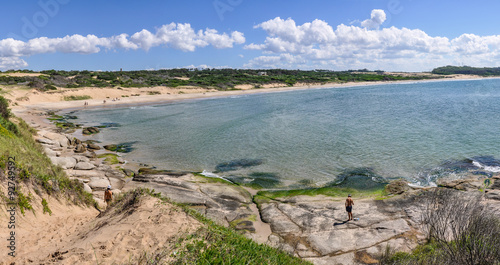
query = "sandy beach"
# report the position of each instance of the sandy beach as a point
(23, 99)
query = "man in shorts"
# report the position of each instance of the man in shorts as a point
(348, 206)
(108, 196)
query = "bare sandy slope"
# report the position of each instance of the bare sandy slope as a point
(77, 235)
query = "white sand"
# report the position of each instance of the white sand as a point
(75, 235)
(23, 98)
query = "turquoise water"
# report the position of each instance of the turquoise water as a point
(413, 130)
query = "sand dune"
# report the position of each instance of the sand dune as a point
(77, 235)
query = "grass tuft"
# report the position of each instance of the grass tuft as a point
(46, 208)
(210, 244)
(82, 97)
(24, 202)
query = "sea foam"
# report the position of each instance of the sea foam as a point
(493, 169)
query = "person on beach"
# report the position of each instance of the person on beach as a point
(108, 196)
(348, 206)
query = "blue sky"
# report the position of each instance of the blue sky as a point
(406, 35)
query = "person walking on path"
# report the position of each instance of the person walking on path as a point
(108, 196)
(348, 206)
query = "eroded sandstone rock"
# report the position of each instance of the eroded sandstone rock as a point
(64, 162)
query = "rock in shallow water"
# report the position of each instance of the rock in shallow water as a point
(92, 146)
(90, 130)
(238, 164)
(397, 187)
(110, 147)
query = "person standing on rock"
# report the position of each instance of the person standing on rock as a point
(108, 196)
(348, 206)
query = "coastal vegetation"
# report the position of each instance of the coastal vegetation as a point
(83, 97)
(34, 168)
(209, 244)
(467, 70)
(220, 79)
(459, 229)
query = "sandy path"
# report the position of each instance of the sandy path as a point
(75, 235)
(39, 235)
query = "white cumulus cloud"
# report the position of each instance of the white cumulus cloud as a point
(377, 18)
(174, 35)
(12, 63)
(319, 45)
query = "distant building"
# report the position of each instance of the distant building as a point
(262, 73)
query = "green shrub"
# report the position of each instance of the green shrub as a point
(9, 126)
(46, 208)
(50, 87)
(4, 108)
(24, 174)
(73, 85)
(5, 132)
(24, 202)
(460, 230)
(82, 97)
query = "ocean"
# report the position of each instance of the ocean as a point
(418, 131)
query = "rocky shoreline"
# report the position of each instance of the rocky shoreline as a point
(310, 227)
(80, 162)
